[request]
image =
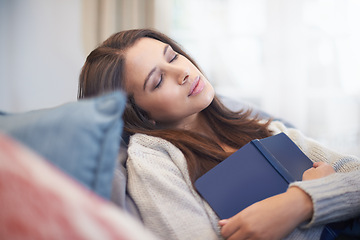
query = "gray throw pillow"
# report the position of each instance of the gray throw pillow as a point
(81, 138)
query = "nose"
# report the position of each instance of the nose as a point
(180, 74)
(183, 76)
(184, 79)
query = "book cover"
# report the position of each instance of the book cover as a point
(258, 170)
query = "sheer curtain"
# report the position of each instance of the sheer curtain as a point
(102, 18)
(299, 60)
(43, 45)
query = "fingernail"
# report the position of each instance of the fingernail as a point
(223, 222)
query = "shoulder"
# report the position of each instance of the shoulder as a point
(316, 151)
(145, 142)
(153, 159)
(142, 146)
(294, 134)
(305, 143)
(277, 127)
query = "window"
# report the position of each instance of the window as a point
(298, 60)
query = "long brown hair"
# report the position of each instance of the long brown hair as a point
(103, 71)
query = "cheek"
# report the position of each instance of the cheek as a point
(168, 105)
(163, 105)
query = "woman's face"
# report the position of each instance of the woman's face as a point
(165, 84)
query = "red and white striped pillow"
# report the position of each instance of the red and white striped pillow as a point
(39, 202)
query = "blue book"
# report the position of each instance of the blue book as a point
(260, 169)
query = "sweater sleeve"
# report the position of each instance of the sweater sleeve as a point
(160, 186)
(337, 196)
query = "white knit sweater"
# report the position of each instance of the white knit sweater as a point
(159, 183)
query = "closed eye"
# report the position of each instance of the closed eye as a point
(161, 76)
(176, 55)
(159, 83)
(174, 58)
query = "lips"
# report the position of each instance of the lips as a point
(196, 87)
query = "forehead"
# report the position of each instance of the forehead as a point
(140, 59)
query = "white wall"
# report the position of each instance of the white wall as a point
(297, 60)
(41, 53)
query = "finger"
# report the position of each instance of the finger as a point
(229, 228)
(317, 164)
(223, 222)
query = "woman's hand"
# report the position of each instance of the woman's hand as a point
(272, 218)
(319, 170)
(277, 216)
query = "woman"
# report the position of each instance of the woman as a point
(180, 130)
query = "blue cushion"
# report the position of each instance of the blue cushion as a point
(81, 138)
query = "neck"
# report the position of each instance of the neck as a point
(195, 123)
(198, 124)
(202, 126)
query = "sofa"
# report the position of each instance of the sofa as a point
(63, 175)
(57, 166)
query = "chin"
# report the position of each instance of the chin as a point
(208, 97)
(210, 93)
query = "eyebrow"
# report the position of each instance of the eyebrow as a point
(153, 70)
